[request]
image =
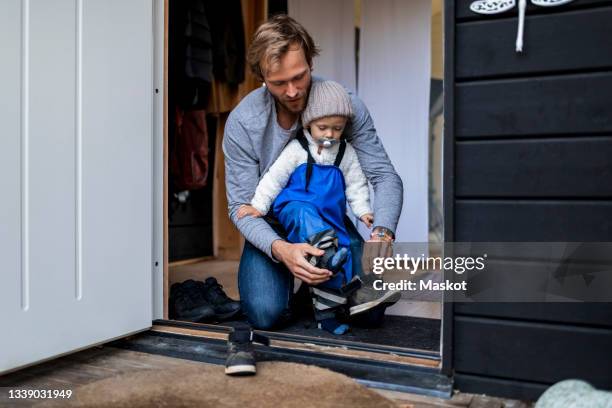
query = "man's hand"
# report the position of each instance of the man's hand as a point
(367, 219)
(378, 246)
(374, 249)
(294, 257)
(245, 210)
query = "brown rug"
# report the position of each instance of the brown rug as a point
(276, 385)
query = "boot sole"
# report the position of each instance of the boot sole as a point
(389, 297)
(243, 369)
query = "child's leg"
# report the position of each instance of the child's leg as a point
(326, 303)
(301, 220)
(303, 223)
(334, 257)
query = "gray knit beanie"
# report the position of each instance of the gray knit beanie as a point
(327, 98)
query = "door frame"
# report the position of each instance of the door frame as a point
(160, 185)
(160, 159)
(448, 184)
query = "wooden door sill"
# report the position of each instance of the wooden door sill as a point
(337, 348)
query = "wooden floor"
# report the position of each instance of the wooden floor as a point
(102, 362)
(81, 368)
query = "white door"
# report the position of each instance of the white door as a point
(75, 174)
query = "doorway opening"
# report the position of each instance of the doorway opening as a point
(201, 241)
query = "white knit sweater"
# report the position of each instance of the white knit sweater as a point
(293, 155)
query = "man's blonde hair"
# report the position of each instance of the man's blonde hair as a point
(274, 38)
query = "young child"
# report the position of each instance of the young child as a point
(307, 188)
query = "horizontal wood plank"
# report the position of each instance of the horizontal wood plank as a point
(486, 48)
(536, 352)
(572, 167)
(523, 390)
(538, 281)
(599, 314)
(533, 221)
(560, 105)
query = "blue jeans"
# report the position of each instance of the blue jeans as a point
(266, 287)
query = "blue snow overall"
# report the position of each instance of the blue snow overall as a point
(314, 201)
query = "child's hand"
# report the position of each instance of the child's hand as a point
(367, 219)
(245, 210)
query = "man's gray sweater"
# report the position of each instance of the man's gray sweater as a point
(253, 140)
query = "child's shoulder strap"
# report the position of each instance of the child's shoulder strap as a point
(304, 143)
(340, 154)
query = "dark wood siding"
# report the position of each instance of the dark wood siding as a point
(529, 156)
(551, 168)
(590, 314)
(573, 104)
(482, 46)
(532, 351)
(523, 220)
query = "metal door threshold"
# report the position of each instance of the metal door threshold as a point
(377, 374)
(431, 356)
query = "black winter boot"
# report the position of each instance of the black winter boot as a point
(224, 307)
(334, 258)
(188, 304)
(240, 352)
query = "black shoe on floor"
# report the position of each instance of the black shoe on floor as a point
(240, 352)
(187, 303)
(224, 307)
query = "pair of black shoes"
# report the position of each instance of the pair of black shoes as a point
(201, 302)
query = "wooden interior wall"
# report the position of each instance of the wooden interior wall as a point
(531, 138)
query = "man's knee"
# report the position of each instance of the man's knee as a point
(252, 260)
(267, 316)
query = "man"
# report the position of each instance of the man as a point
(256, 131)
